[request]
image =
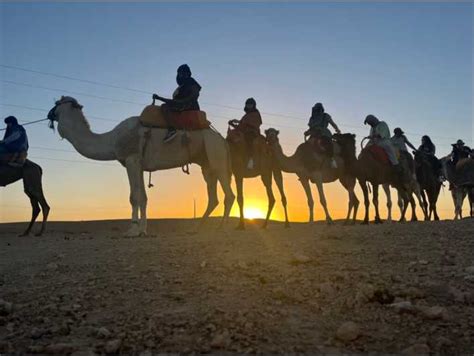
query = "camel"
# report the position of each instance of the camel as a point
(461, 180)
(320, 174)
(31, 173)
(266, 167)
(429, 182)
(371, 170)
(140, 149)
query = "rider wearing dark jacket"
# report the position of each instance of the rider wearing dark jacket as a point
(15, 139)
(185, 98)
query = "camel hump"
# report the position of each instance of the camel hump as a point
(153, 116)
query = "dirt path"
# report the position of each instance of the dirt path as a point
(83, 287)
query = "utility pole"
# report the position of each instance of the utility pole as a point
(194, 207)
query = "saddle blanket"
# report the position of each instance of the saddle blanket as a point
(152, 116)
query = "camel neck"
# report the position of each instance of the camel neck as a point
(76, 130)
(287, 163)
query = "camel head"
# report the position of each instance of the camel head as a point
(271, 135)
(63, 108)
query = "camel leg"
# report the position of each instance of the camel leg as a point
(424, 202)
(45, 209)
(229, 197)
(365, 191)
(212, 201)
(375, 200)
(267, 181)
(406, 199)
(239, 182)
(279, 182)
(417, 192)
(388, 194)
(322, 197)
(433, 202)
(400, 203)
(142, 203)
(133, 171)
(309, 197)
(353, 205)
(413, 208)
(35, 212)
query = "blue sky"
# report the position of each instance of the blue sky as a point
(409, 64)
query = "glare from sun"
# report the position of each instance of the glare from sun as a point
(252, 212)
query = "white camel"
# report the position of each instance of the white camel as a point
(140, 149)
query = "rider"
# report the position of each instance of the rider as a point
(249, 125)
(427, 146)
(460, 150)
(318, 128)
(380, 136)
(428, 149)
(15, 140)
(400, 141)
(185, 98)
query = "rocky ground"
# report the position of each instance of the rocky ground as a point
(83, 289)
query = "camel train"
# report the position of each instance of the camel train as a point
(140, 148)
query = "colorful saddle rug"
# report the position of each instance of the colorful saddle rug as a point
(152, 116)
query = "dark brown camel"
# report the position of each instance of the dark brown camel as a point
(31, 174)
(460, 176)
(320, 173)
(426, 168)
(371, 170)
(265, 166)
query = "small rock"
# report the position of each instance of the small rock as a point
(470, 270)
(242, 265)
(103, 333)
(203, 264)
(423, 262)
(403, 307)
(436, 312)
(36, 333)
(417, 349)
(469, 278)
(348, 331)
(300, 259)
(6, 308)
(113, 346)
(221, 340)
(52, 266)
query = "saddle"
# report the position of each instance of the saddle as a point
(16, 159)
(153, 116)
(378, 153)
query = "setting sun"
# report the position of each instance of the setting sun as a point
(253, 212)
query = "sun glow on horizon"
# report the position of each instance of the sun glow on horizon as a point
(253, 212)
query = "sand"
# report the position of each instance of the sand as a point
(82, 288)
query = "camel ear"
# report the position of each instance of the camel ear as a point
(277, 132)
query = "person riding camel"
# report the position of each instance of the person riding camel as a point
(249, 125)
(460, 151)
(318, 129)
(427, 146)
(400, 141)
(185, 98)
(380, 136)
(15, 141)
(428, 149)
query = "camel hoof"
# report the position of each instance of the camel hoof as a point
(402, 221)
(24, 234)
(240, 227)
(378, 221)
(329, 222)
(287, 225)
(264, 227)
(436, 218)
(38, 234)
(413, 219)
(365, 222)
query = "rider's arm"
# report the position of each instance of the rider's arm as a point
(409, 144)
(333, 124)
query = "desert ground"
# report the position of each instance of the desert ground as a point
(82, 288)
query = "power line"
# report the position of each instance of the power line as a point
(149, 92)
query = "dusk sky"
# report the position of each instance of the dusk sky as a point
(408, 64)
